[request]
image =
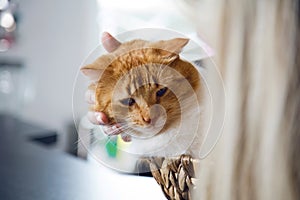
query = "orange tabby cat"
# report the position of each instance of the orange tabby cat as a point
(152, 94)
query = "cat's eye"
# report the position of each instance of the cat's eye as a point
(161, 92)
(128, 101)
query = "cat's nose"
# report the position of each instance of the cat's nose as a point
(147, 120)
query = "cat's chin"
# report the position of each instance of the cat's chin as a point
(145, 132)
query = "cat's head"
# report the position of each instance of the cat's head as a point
(143, 85)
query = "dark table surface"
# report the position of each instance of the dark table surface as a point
(14, 127)
(30, 171)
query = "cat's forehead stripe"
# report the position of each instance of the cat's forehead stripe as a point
(142, 77)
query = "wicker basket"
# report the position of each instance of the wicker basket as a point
(176, 176)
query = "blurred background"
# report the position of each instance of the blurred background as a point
(42, 44)
(42, 47)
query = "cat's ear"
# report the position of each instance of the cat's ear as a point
(91, 72)
(169, 49)
(95, 69)
(109, 42)
(174, 45)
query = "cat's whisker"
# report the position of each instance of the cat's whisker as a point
(127, 130)
(121, 127)
(131, 133)
(113, 132)
(124, 129)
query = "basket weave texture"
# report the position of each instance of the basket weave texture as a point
(176, 176)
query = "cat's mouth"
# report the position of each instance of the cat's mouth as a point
(148, 131)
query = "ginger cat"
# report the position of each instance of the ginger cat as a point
(154, 95)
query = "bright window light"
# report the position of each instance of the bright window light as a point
(3, 4)
(117, 16)
(7, 20)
